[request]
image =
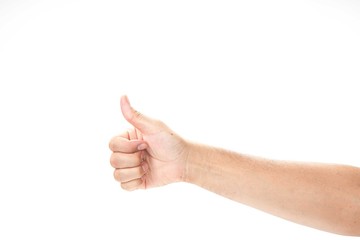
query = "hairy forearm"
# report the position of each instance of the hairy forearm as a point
(322, 196)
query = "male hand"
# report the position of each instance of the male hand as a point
(149, 155)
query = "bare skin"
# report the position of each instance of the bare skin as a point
(322, 196)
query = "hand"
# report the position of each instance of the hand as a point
(149, 155)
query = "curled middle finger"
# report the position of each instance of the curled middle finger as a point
(125, 160)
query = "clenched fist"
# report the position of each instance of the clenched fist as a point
(149, 155)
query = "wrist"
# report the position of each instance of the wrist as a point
(195, 163)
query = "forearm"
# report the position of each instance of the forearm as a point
(322, 196)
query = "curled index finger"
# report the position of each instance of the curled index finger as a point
(121, 144)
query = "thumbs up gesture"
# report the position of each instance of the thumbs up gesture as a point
(149, 155)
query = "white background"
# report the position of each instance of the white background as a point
(276, 78)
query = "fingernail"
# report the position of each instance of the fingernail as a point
(142, 146)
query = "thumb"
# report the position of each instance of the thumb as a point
(143, 123)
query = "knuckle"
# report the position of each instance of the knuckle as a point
(132, 185)
(127, 173)
(121, 175)
(112, 144)
(137, 114)
(127, 187)
(116, 175)
(114, 162)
